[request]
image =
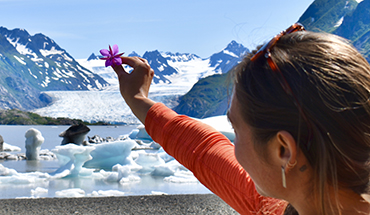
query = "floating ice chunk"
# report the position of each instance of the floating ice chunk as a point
(45, 154)
(142, 134)
(10, 148)
(12, 157)
(11, 176)
(62, 171)
(158, 193)
(166, 157)
(39, 191)
(122, 174)
(126, 173)
(155, 145)
(26, 197)
(93, 194)
(182, 177)
(6, 171)
(106, 193)
(129, 179)
(75, 156)
(167, 169)
(148, 161)
(133, 133)
(113, 177)
(123, 171)
(108, 154)
(20, 179)
(74, 192)
(162, 170)
(34, 140)
(134, 155)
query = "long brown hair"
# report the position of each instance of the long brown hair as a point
(331, 81)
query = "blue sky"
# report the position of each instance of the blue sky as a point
(202, 27)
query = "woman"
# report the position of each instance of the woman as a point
(301, 115)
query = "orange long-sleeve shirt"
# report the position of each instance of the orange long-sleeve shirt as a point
(210, 156)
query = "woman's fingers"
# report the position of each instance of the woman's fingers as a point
(138, 81)
(120, 70)
(139, 65)
(135, 62)
(135, 86)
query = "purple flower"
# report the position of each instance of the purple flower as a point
(111, 56)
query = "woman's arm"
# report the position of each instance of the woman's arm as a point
(199, 147)
(134, 86)
(210, 156)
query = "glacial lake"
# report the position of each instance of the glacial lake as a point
(14, 135)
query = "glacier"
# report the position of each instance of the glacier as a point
(175, 75)
(107, 105)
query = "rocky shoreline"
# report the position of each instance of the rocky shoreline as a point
(161, 204)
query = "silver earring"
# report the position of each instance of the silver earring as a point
(292, 165)
(283, 176)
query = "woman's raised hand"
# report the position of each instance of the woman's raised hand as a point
(134, 86)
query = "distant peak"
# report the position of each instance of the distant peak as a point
(17, 32)
(151, 54)
(134, 54)
(154, 51)
(93, 57)
(233, 45)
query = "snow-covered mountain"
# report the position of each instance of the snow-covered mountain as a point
(30, 64)
(180, 69)
(175, 75)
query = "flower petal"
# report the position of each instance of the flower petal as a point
(119, 55)
(105, 52)
(114, 49)
(108, 62)
(111, 56)
(117, 61)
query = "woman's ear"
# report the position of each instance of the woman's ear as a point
(285, 148)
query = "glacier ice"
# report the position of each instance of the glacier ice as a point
(34, 140)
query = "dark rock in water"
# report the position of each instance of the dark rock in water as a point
(110, 139)
(11, 157)
(74, 134)
(96, 139)
(1, 144)
(22, 156)
(2, 155)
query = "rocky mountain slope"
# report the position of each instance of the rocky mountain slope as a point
(347, 18)
(30, 64)
(175, 75)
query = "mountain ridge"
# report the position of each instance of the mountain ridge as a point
(199, 80)
(349, 19)
(30, 64)
(176, 68)
(108, 104)
(322, 16)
